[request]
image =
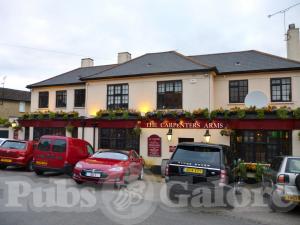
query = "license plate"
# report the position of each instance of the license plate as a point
(89, 174)
(6, 160)
(193, 170)
(41, 163)
(292, 198)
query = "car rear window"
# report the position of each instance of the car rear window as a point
(111, 155)
(293, 166)
(14, 145)
(44, 145)
(59, 146)
(197, 154)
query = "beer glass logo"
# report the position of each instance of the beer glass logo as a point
(129, 205)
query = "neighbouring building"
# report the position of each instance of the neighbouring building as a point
(13, 104)
(175, 95)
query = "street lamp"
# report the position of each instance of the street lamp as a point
(169, 135)
(207, 136)
(14, 124)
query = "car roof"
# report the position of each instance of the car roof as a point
(202, 144)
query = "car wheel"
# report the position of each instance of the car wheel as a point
(29, 166)
(38, 172)
(276, 204)
(3, 167)
(141, 176)
(78, 182)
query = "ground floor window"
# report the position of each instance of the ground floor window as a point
(3, 133)
(119, 138)
(40, 131)
(261, 146)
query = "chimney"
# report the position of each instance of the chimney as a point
(87, 62)
(293, 43)
(123, 57)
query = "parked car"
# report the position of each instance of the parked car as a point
(281, 183)
(2, 140)
(16, 153)
(117, 167)
(199, 165)
(59, 154)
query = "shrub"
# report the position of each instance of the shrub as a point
(260, 113)
(282, 113)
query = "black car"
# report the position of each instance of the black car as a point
(199, 165)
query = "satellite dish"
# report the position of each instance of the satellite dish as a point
(257, 99)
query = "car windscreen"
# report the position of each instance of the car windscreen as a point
(197, 154)
(111, 155)
(14, 145)
(293, 166)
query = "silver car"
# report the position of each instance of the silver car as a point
(2, 140)
(281, 183)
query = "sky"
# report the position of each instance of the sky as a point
(43, 38)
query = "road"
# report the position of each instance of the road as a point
(55, 199)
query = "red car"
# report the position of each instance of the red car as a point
(16, 153)
(117, 167)
(59, 154)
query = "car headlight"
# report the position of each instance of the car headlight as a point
(78, 165)
(116, 169)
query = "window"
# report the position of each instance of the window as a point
(59, 146)
(90, 149)
(169, 94)
(61, 99)
(79, 98)
(281, 90)
(124, 139)
(117, 96)
(44, 145)
(43, 99)
(238, 89)
(22, 107)
(40, 131)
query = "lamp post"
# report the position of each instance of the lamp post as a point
(207, 136)
(169, 135)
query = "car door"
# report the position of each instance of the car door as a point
(42, 153)
(58, 153)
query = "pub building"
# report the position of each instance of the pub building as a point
(153, 102)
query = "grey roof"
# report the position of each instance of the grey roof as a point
(71, 77)
(153, 63)
(14, 95)
(246, 61)
(174, 62)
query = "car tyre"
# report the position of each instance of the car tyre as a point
(141, 176)
(274, 204)
(78, 182)
(3, 167)
(29, 166)
(39, 172)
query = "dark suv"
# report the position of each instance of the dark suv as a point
(197, 165)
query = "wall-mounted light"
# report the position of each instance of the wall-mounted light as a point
(13, 124)
(207, 136)
(169, 135)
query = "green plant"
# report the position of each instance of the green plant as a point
(40, 115)
(137, 130)
(52, 115)
(296, 113)
(241, 113)
(70, 128)
(112, 115)
(282, 113)
(242, 170)
(125, 115)
(260, 113)
(201, 112)
(259, 172)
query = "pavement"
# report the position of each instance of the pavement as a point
(56, 199)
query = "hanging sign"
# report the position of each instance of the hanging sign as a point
(154, 146)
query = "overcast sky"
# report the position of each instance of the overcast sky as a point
(43, 38)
